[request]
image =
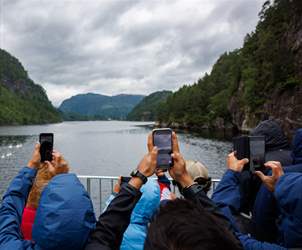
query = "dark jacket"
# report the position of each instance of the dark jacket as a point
(297, 147)
(64, 217)
(227, 197)
(289, 200)
(114, 221)
(265, 211)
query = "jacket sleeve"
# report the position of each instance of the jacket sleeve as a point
(227, 192)
(249, 243)
(289, 199)
(11, 211)
(114, 221)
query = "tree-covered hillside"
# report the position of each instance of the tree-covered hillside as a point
(98, 107)
(21, 100)
(262, 79)
(148, 108)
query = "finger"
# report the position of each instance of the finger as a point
(154, 154)
(270, 164)
(232, 154)
(175, 146)
(37, 147)
(176, 156)
(260, 175)
(150, 142)
(244, 161)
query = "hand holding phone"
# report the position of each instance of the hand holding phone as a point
(162, 139)
(46, 146)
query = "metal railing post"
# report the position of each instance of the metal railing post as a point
(88, 181)
(100, 191)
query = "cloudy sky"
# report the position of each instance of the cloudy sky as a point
(121, 46)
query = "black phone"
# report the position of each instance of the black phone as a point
(257, 152)
(46, 146)
(162, 139)
(251, 147)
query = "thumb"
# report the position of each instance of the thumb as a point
(244, 161)
(260, 175)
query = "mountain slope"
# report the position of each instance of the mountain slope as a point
(262, 79)
(148, 108)
(100, 107)
(21, 100)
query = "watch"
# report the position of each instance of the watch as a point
(136, 173)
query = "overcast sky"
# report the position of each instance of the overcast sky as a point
(121, 46)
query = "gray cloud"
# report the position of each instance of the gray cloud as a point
(129, 46)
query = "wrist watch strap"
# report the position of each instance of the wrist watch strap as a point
(138, 174)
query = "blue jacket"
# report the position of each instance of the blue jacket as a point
(265, 211)
(134, 236)
(289, 200)
(297, 147)
(63, 220)
(227, 197)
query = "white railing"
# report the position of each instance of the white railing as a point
(100, 187)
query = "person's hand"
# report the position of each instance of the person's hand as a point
(35, 160)
(147, 165)
(178, 171)
(58, 165)
(234, 164)
(117, 186)
(270, 181)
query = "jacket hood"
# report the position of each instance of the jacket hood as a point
(148, 203)
(65, 215)
(274, 137)
(297, 147)
(288, 196)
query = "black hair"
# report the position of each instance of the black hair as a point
(184, 225)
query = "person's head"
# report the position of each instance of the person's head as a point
(65, 216)
(181, 224)
(199, 174)
(275, 138)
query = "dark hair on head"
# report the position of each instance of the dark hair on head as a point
(183, 225)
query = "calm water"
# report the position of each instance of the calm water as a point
(100, 148)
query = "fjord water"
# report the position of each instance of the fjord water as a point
(100, 147)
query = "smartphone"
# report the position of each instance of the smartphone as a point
(162, 139)
(257, 152)
(46, 146)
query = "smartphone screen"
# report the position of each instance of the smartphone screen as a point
(162, 139)
(257, 152)
(46, 146)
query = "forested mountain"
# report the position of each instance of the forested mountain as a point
(260, 80)
(98, 107)
(147, 109)
(21, 100)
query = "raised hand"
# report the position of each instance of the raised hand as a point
(277, 172)
(178, 171)
(35, 160)
(234, 164)
(58, 165)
